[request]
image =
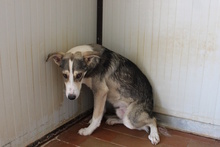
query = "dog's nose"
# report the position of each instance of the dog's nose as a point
(71, 96)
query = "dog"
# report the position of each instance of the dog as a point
(112, 78)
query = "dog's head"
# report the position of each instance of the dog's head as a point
(74, 68)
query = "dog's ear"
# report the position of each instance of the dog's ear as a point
(57, 57)
(91, 58)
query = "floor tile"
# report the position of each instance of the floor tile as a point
(217, 142)
(56, 143)
(130, 141)
(71, 135)
(191, 136)
(194, 143)
(93, 142)
(124, 130)
(104, 134)
(173, 140)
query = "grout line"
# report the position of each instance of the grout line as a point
(107, 141)
(125, 133)
(49, 142)
(63, 140)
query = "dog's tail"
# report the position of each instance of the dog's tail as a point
(163, 131)
(161, 128)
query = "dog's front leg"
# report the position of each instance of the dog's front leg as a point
(99, 105)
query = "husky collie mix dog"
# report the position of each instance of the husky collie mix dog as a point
(112, 78)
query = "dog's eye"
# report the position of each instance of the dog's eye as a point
(78, 76)
(65, 76)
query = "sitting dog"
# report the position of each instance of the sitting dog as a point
(112, 78)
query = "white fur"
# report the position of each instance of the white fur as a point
(113, 121)
(127, 123)
(82, 49)
(122, 108)
(154, 137)
(94, 124)
(145, 128)
(71, 87)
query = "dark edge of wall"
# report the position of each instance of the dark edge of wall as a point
(99, 21)
(59, 130)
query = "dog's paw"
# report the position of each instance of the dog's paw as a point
(154, 138)
(84, 131)
(112, 121)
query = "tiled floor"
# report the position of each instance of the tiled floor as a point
(118, 135)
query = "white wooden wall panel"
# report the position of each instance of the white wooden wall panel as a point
(176, 43)
(31, 91)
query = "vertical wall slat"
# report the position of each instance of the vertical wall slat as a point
(20, 46)
(39, 47)
(148, 36)
(217, 107)
(3, 66)
(211, 73)
(35, 38)
(29, 67)
(10, 104)
(48, 49)
(162, 48)
(184, 62)
(190, 75)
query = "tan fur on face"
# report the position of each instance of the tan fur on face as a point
(67, 73)
(75, 76)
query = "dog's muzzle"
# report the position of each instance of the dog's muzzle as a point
(71, 97)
